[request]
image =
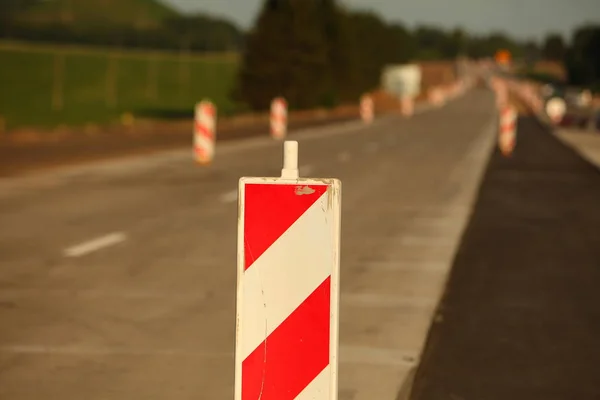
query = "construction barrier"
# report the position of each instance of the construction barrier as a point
(288, 286)
(507, 136)
(435, 97)
(407, 106)
(279, 117)
(367, 109)
(204, 132)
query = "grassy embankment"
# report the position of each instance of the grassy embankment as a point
(47, 86)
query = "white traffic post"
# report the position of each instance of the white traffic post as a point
(204, 132)
(279, 117)
(507, 137)
(288, 286)
(367, 112)
(556, 109)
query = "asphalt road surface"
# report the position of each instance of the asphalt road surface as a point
(521, 315)
(117, 281)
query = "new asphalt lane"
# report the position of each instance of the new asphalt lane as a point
(520, 318)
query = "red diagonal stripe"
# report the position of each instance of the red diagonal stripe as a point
(201, 152)
(208, 109)
(508, 128)
(293, 355)
(202, 130)
(269, 211)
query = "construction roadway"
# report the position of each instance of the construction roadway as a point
(117, 279)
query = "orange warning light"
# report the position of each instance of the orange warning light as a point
(502, 57)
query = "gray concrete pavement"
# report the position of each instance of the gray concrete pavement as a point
(147, 312)
(585, 142)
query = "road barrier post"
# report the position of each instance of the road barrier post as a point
(507, 136)
(407, 106)
(278, 118)
(288, 285)
(367, 109)
(205, 132)
(436, 97)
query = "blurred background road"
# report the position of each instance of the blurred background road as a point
(148, 311)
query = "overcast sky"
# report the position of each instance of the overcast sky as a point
(520, 18)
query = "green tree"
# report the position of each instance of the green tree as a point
(554, 48)
(9, 11)
(286, 55)
(583, 56)
(342, 74)
(457, 43)
(431, 42)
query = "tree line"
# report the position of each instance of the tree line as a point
(318, 53)
(175, 31)
(314, 52)
(580, 54)
(206, 33)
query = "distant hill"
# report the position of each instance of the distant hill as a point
(140, 14)
(125, 23)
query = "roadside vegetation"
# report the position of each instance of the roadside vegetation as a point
(77, 62)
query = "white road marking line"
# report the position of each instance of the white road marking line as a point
(229, 197)
(306, 170)
(107, 351)
(344, 157)
(95, 244)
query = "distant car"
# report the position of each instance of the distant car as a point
(578, 98)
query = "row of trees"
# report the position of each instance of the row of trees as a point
(198, 33)
(316, 53)
(581, 55)
(204, 33)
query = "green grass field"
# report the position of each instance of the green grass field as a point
(47, 86)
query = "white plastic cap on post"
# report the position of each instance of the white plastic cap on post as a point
(290, 160)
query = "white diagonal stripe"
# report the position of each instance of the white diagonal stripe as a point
(319, 388)
(301, 259)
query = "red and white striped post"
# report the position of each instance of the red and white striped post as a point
(508, 130)
(279, 114)
(435, 96)
(367, 112)
(407, 106)
(204, 132)
(288, 286)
